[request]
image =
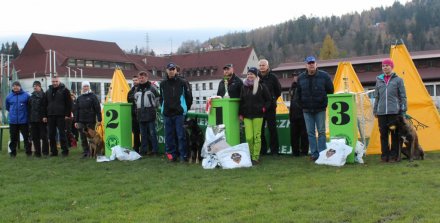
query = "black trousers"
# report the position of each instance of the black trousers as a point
(57, 123)
(39, 138)
(14, 132)
(136, 134)
(298, 137)
(384, 122)
(270, 120)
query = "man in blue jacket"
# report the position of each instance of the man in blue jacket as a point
(16, 105)
(311, 92)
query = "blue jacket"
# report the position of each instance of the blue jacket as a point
(389, 98)
(311, 92)
(16, 105)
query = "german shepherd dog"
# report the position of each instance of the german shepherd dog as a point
(194, 140)
(96, 144)
(408, 137)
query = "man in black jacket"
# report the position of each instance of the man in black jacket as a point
(59, 108)
(176, 99)
(311, 92)
(134, 122)
(87, 111)
(298, 133)
(37, 110)
(273, 85)
(234, 83)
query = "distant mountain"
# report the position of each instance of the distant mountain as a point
(368, 33)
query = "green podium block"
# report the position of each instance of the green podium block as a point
(117, 126)
(225, 111)
(343, 119)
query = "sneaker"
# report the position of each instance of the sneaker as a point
(170, 156)
(255, 162)
(312, 158)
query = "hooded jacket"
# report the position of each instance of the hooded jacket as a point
(16, 105)
(37, 107)
(87, 108)
(234, 87)
(311, 92)
(175, 96)
(389, 98)
(58, 100)
(251, 106)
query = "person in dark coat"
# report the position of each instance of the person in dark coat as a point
(254, 101)
(234, 83)
(16, 105)
(134, 122)
(59, 108)
(37, 110)
(87, 111)
(273, 85)
(175, 100)
(298, 133)
(311, 92)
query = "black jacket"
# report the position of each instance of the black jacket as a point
(273, 85)
(37, 107)
(234, 87)
(251, 106)
(312, 91)
(58, 101)
(130, 99)
(295, 111)
(175, 96)
(87, 109)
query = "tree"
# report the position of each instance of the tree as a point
(15, 51)
(328, 49)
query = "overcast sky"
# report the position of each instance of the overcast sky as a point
(20, 18)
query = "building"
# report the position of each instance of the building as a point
(367, 68)
(76, 60)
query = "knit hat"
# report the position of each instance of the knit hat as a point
(388, 62)
(36, 83)
(16, 83)
(253, 70)
(85, 83)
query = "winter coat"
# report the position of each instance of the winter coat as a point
(16, 105)
(234, 87)
(146, 101)
(58, 100)
(37, 106)
(295, 111)
(175, 96)
(130, 99)
(312, 90)
(88, 109)
(389, 98)
(273, 85)
(251, 106)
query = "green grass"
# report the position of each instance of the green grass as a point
(280, 189)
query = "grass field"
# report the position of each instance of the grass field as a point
(280, 189)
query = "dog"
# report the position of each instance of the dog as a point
(194, 140)
(96, 144)
(408, 137)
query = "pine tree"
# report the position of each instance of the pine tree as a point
(328, 49)
(14, 51)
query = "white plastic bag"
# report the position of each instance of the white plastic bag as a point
(121, 153)
(212, 134)
(335, 154)
(235, 157)
(210, 162)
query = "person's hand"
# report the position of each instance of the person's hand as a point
(66, 118)
(44, 119)
(264, 110)
(241, 117)
(98, 123)
(76, 125)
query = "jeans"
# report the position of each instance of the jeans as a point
(174, 128)
(148, 133)
(315, 121)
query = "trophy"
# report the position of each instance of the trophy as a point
(226, 88)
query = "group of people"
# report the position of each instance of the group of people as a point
(46, 113)
(258, 94)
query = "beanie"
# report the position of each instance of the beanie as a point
(85, 83)
(36, 83)
(388, 62)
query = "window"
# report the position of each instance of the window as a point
(105, 65)
(210, 86)
(96, 88)
(106, 88)
(97, 64)
(204, 86)
(190, 86)
(76, 88)
(437, 90)
(80, 63)
(198, 73)
(71, 62)
(112, 65)
(197, 100)
(430, 89)
(89, 63)
(197, 87)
